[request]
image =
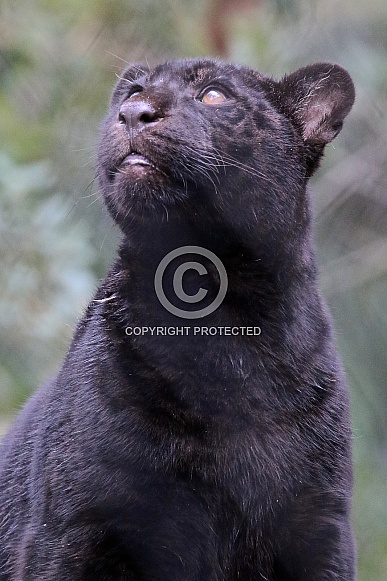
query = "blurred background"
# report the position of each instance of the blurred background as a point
(58, 63)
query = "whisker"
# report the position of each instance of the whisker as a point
(106, 235)
(71, 209)
(118, 57)
(93, 202)
(90, 184)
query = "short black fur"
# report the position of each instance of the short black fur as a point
(195, 457)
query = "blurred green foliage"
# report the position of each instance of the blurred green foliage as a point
(58, 62)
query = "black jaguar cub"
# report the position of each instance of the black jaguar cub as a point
(189, 437)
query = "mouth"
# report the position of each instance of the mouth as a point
(135, 158)
(133, 163)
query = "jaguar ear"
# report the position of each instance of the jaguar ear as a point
(316, 98)
(129, 75)
(319, 97)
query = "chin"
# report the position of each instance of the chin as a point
(141, 193)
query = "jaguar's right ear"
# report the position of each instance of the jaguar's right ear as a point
(126, 79)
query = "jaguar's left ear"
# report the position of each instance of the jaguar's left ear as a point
(316, 98)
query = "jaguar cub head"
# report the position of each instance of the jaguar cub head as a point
(213, 139)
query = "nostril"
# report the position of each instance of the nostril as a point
(148, 116)
(137, 114)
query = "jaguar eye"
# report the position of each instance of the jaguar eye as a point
(134, 91)
(213, 97)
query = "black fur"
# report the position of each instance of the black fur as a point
(195, 457)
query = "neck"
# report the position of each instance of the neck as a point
(260, 295)
(259, 276)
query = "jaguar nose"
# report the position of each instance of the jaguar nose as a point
(137, 115)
